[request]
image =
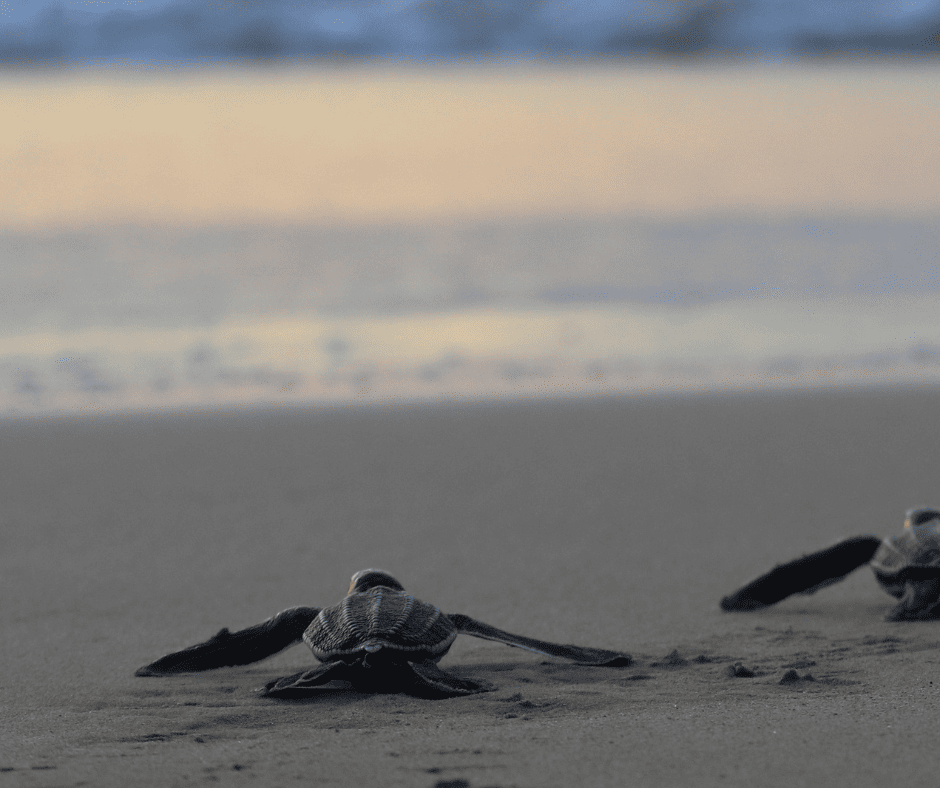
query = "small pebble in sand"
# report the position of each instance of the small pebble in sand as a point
(791, 677)
(671, 660)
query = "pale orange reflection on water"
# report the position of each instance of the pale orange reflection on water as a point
(400, 144)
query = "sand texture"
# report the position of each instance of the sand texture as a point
(615, 523)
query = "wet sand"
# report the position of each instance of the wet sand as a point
(617, 523)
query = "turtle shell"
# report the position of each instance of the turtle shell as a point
(376, 619)
(912, 555)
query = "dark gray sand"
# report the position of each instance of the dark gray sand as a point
(611, 523)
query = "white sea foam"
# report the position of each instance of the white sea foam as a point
(478, 353)
(489, 311)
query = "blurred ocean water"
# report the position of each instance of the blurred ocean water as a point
(141, 317)
(216, 235)
(185, 31)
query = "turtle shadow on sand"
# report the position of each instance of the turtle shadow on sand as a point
(378, 639)
(907, 566)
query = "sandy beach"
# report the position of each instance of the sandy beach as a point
(617, 523)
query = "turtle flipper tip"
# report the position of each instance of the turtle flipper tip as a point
(606, 659)
(619, 661)
(165, 666)
(740, 603)
(168, 668)
(623, 661)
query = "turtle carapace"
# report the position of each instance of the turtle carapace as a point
(907, 566)
(378, 639)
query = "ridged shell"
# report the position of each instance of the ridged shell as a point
(380, 618)
(917, 547)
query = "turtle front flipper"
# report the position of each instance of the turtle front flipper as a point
(237, 648)
(580, 654)
(804, 575)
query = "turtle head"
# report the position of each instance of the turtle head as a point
(915, 517)
(365, 579)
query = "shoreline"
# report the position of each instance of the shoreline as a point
(546, 392)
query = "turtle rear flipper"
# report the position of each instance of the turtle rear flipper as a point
(804, 575)
(424, 679)
(430, 677)
(237, 648)
(298, 685)
(919, 602)
(582, 655)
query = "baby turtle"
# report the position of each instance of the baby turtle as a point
(379, 639)
(907, 566)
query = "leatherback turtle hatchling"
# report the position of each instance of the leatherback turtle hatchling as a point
(907, 566)
(379, 639)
